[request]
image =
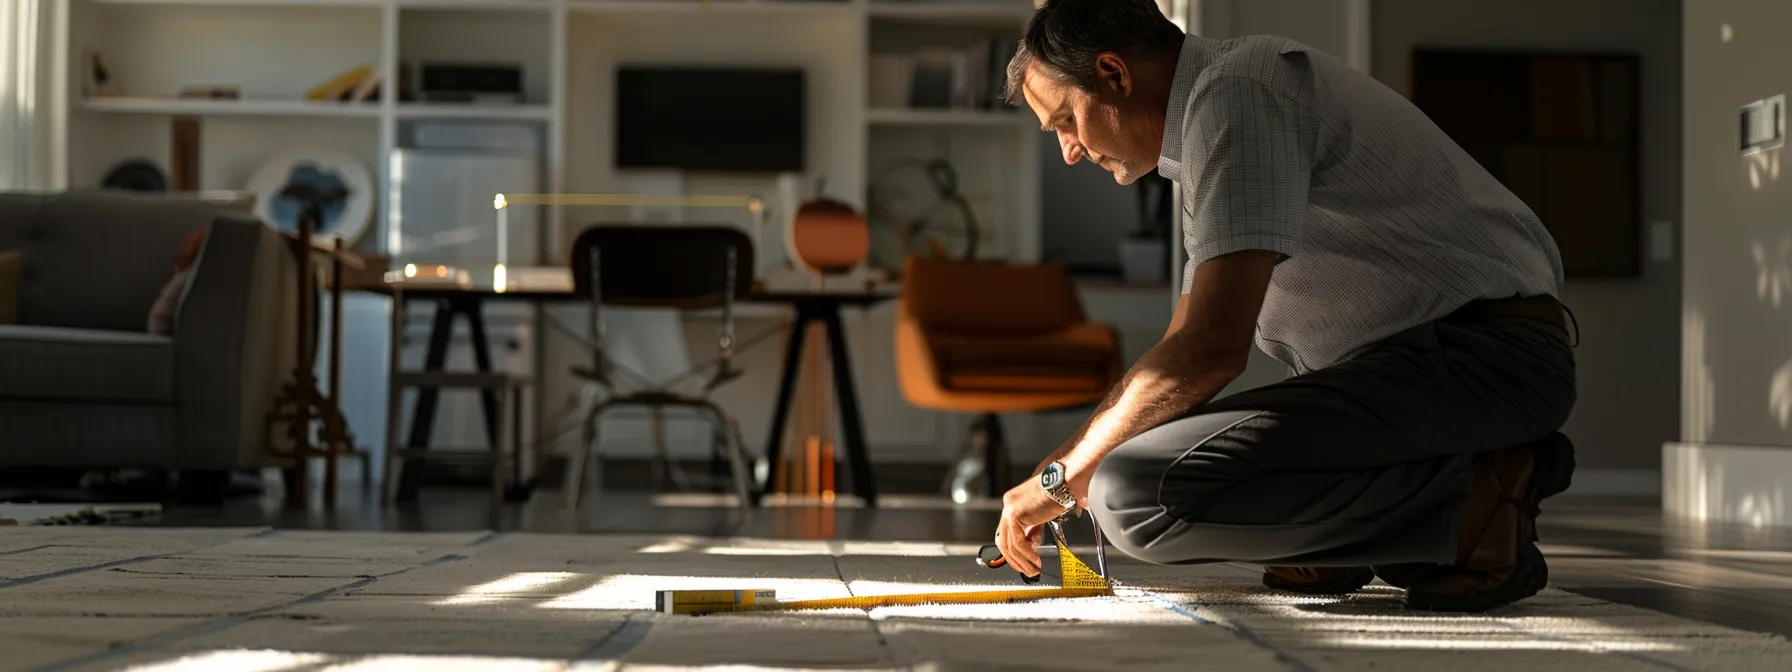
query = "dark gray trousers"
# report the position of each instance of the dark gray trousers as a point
(1362, 463)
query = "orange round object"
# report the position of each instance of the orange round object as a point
(829, 236)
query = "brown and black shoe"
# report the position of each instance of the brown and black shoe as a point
(1497, 560)
(1317, 580)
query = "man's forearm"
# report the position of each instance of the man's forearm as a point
(1170, 380)
(1205, 348)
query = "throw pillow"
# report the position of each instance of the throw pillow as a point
(12, 266)
(161, 315)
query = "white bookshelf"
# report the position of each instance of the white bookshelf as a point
(275, 50)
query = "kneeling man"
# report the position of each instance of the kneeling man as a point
(1326, 218)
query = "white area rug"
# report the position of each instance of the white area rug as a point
(250, 600)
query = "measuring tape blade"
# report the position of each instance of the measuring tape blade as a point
(1078, 581)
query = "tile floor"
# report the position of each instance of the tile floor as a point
(258, 599)
(1623, 551)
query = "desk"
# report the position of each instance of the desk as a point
(809, 306)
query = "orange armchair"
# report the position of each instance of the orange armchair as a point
(989, 339)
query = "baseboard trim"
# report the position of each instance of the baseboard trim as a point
(1712, 482)
(1615, 483)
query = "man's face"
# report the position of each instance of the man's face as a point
(1109, 125)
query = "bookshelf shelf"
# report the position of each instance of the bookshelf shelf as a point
(247, 3)
(263, 108)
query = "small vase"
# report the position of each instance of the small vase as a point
(828, 236)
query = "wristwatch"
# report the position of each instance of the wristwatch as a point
(1053, 480)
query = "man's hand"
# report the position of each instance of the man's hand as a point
(1025, 511)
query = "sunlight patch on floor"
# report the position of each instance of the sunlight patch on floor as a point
(236, 661)
(520, 584)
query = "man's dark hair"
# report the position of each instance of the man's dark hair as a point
(1065, 36)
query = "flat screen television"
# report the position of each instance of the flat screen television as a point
(710, 119)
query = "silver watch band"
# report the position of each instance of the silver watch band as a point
(1060, 492)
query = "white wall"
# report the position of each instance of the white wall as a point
(1735, 462)
(1737, 317)
(1322, 24)
(1629, 327)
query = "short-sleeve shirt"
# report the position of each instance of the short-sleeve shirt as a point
(1381, 221)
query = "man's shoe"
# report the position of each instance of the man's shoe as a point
(1317, 580)
(1497, 560)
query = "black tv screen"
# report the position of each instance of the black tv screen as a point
(710, 119)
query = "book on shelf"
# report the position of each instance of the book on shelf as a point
(967, 77)
(352, 85)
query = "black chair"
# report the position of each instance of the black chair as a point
(687, 267)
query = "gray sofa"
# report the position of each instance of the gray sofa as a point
(83, 383)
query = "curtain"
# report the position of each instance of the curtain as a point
(20, 112)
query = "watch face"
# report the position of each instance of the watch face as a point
(1052, 476)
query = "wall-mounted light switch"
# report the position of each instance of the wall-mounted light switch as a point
(1763, 124)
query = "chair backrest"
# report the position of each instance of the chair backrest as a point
(989, 298)
(674, 266)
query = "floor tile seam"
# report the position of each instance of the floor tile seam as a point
(836, 550)
(20, 551)
(226, 623)
(1293, 662)
(609, 652)
(72, 571)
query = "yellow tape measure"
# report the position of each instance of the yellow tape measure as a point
(1078, 581)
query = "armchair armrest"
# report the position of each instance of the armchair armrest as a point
(234, 344)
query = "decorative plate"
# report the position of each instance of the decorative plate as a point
(340, 183)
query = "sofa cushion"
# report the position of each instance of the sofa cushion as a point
(43, 363)
(96, 260)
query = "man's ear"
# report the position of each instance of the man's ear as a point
(1111, 70)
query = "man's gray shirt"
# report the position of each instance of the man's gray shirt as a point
(1383, 222)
